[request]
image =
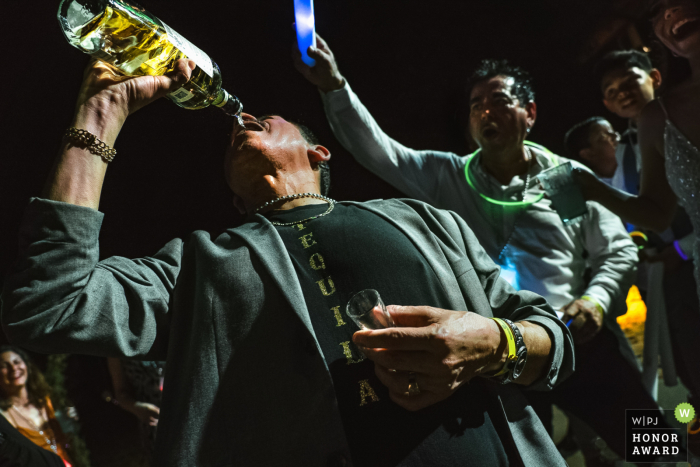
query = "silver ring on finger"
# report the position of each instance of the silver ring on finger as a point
(413, 389)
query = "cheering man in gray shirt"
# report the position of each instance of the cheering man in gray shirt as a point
(495, 192)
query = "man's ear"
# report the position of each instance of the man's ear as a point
(531, 109)
(318, 154)
(239, 204)
(656, 79)
(586, 154)
(608, 106)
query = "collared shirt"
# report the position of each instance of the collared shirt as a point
(536, 250)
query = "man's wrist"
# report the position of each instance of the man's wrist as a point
(102, 120)
(501, 349)
(595, 302)
(516, 355)
(338, 82)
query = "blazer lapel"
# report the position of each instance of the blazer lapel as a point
(262, 238)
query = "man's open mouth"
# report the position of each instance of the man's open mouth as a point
(489, 133)
(685, 27)
(248, 125)
(251, 125)
(628, 103)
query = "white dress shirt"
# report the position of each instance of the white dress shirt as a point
(536, 250)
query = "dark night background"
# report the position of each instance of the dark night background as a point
(406, 59)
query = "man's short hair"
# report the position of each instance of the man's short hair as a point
(306, 133)
(325, 178)
(622, 59)
(578, 137)
(522, 81)
(312, 140)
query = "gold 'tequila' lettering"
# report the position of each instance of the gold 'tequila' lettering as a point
(338, 318)
(348, 353)
(331, 286)
(305, 240)
(299, 227)
(366, 392)
(318, 262)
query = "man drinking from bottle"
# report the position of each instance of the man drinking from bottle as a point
(264, 367)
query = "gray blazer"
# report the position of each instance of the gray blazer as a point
(246, 382)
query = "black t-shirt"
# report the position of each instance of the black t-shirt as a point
(352, 249)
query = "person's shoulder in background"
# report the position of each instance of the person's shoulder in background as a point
(18, 451)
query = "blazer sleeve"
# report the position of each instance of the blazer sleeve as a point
(493, 295)
(58, 298)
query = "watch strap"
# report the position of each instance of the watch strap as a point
(520, 353)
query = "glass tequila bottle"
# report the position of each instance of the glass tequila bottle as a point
(136, 43)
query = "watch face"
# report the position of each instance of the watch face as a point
(519, 365)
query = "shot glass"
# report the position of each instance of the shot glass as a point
(564, 192)
(367, 310)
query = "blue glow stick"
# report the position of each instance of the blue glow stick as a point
(305, 24)
(568, 323)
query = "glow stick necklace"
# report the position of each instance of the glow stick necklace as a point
(548, 154)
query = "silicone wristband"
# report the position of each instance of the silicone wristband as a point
(679, 250)
(598, 306)
(511, 344)
(639, 234)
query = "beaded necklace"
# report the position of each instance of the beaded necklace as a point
(51, 442)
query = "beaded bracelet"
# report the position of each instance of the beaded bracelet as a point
(91, 143)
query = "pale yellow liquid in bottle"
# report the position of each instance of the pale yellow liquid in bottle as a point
(138, 46)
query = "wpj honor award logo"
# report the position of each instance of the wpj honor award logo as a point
(650, 440)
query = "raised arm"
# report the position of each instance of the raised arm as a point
(58, 298)
(414, 172)
(655, 206)
(104, 102)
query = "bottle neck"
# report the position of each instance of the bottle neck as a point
(228, 103)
